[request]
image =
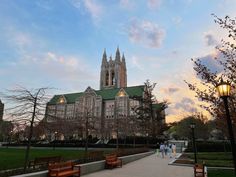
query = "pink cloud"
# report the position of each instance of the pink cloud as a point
(146, 33)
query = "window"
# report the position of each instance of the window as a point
(112, 78)
(60, 111)
(109, 110)
(121, 93)
(51, 110)
(107, 78)
(70, 111)
(61, 100)
(122, 107)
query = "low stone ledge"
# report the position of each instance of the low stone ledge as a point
(35, 174)
(131, 158)
(93, 166)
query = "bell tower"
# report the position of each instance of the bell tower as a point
(113, 72)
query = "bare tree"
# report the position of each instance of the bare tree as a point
(86, 121)
(209, 79)
(133, 127)
(27, 108)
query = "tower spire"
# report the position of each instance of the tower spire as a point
(117, 59)
(123, 60)
(104, 57)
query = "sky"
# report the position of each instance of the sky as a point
(59, 44)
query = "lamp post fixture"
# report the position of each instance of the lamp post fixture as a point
(223, 89)
(192, 126)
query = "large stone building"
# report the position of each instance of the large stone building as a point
(1, 110)
(105, 112)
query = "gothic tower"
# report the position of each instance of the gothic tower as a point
(113, 72)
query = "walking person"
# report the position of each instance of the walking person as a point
(166, 149)
(173, 150)
(170, 150)
(162, 150)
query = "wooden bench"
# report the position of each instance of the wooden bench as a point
(199, 170)
(63, 169)
(44, 161)
(112, 161)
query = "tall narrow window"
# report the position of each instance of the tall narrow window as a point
(107, 78)
(112, 78)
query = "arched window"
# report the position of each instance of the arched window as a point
(112, 78)
(107, 78)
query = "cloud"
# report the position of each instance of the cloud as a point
(70, 62)
(76, 3)
(22, 39)
(45, 4)
(177, 20)
(127, 4)
(147, 33)
(186, 104)
(135, 62)
(67, 68)
(92, 7)
(210, 62)
(153, 4)
(170, 90)
(210, 39)
(34, 64)
(18, 40)
(174, 52)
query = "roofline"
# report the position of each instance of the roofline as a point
(48, 103)
(99, 90)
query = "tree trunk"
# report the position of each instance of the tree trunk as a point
(30, 137)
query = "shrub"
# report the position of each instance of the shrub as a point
(210, 146)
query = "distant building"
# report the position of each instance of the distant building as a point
(1, 110)
(109, 109)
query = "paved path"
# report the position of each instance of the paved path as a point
(151, 166)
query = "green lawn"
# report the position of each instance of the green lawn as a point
(220, 173)
(214, 159)
(14, 158)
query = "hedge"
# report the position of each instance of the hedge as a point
(210, 146)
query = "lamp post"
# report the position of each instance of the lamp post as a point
(223, 89)
(192, 126)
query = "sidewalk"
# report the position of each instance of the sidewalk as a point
(151, 166)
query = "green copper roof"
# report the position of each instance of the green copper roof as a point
(106, 94)
(158, 106)
(70, 98)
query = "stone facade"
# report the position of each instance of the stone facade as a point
(113, 72)
(104, 112)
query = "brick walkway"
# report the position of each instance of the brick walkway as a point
(151, 166)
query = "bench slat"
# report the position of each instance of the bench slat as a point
(64, 169)
(112, 161)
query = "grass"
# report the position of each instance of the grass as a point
(214, 159)
(14, 158)
(220, 173)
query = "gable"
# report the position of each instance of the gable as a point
(108, 94)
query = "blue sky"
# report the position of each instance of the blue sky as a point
(59, 43)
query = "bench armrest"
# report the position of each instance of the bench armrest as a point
(54, 171)
(77, 166)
